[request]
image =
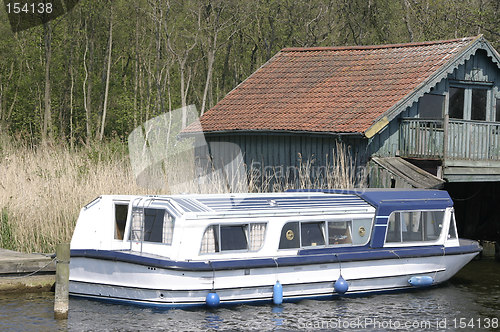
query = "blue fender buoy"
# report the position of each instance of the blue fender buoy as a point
(341, 285)
(421, 281)
(212, 299)
(277, 293)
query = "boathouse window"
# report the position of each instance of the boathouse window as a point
(469, 101)
(121, 211)
(233, 237)
(456, 103)
(478, 105)
(414, 226)
(431, 106)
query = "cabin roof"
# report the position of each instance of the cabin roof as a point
(405, 198)
(270, 203)
(311, 200)
(336, 89)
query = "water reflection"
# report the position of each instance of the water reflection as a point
(473, 294)
(213, 321)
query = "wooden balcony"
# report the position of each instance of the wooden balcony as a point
(465, 140)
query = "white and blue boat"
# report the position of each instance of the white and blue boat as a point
(186, 250)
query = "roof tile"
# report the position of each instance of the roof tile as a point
(336, 89)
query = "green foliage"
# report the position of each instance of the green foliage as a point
(6, 234)
(156, 43)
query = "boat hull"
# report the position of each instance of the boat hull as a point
(143, 284)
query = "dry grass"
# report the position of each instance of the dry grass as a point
(42, 190)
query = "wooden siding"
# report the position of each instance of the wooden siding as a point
(282, 155)
(386, 142)
(275, 149)
(479, 68)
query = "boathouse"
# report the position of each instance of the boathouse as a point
(434, 104)
(420, 114)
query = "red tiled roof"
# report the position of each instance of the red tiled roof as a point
(328, 89)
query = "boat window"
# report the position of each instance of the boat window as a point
(339, 232)
(168, 228)
(312, 234)
(153, 224)
(121, 211)
(393, 228)
(414, 226)
(290, 237)
(210, 240)
(137, 222)
(452, 232)
(233, 237)
(257, 233)
(432, 222)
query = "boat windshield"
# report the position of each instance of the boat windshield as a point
(414, 226)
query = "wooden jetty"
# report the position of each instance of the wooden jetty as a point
(21, 272)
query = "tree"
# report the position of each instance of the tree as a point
(47, 118)
(108, 71)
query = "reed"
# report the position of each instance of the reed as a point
(42, 189)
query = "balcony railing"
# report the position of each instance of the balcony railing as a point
(470, 140)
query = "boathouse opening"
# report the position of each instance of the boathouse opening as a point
(476, 209)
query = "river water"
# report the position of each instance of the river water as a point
(469, 301)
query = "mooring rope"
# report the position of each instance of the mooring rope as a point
(213, 274)
(34, 272)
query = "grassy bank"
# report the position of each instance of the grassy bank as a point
(43, 189)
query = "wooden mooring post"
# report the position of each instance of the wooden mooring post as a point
(62, 282)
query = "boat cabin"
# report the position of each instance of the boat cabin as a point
(238, 226)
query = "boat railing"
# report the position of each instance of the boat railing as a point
(137, 227)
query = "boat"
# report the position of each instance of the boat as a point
(221, 249)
